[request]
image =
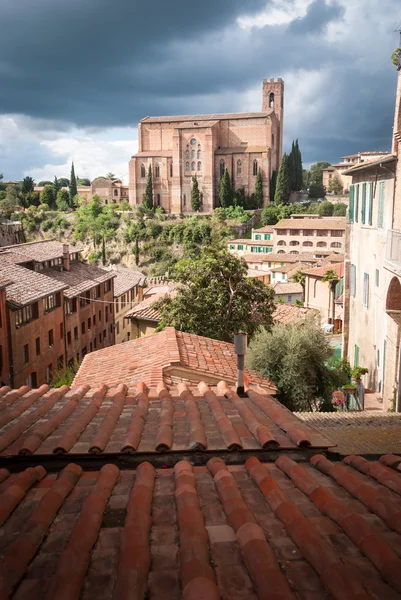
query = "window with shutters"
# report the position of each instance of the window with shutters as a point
(380, 216)
(356, 355)
(363, 203)
(356, 203)
(370, 215)
(351, 203)
(377, 277)
(366, 290)
(352, 280)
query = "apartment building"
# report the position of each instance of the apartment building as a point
(325, 298)
(310, 233)
(57, 309)
(261, 242)
(128, 292)
(4, 341)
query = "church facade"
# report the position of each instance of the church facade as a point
(179, 147)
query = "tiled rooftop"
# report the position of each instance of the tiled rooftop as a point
(40, 251)
(80, 278)
(170, 356)
(287, 287)
(27, 286)
(144, 310)
(321, 271)
(291, 268)
(125, 279)
(265, 229)
(259, 531)
(285, 258)
(84, 420)
(288, 313)
(307, 223)
(209, 117)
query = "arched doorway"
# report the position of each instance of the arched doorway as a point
(392, 366)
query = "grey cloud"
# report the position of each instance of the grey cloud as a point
(318, 16)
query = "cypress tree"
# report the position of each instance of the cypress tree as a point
(195, 196)
(136, 251)
(272, 186)
(283, 187)
(73, 182)
(259, 189)
(299, 177)
(225, 190)
(293, 167)
(148, 195)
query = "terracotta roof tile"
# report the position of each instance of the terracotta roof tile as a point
(287, 287)
(320, 271)
(207, 117)
(307, 223)
(306, 257)
(126, 419)
(144, 310)
(39, 251)
(288, 313)
(280, 529)
(80, 278)
(125, 279)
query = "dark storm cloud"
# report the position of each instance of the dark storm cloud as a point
(106, 63)
(318, 16)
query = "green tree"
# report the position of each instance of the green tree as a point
(300, 277)
(259, 189)
(299, 169)
(270, 215)
(27, 185)
(216, 298)
(225, 192)
(283, 187)
(335, 186)
(48, 196)
(305, 179)
(110, 176)
(137, 251)
(10, 201)
(296, 358)
(331, 278)
(326, 209)
(272, 186)
(63, 200)
(340, 209)
(148, 195)
(83, 181)
(64, 182)
(43, 183)
(195, 195)
(96, 222)
(73, 182)
(57, 185)
(316, 190)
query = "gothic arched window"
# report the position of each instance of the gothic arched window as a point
(255, 168)
(171, 169)
(199, 154)
(187, 154)
(192, 154)
(143, 171)
(193, 166)
(273, 139)
(271, 100)
(158, 199)
(157, 171)
(222, 168)
(239, 167)
(187, 166)
(199, 166)
(193, 142)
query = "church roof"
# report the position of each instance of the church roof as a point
(211, 117)
(241, 149)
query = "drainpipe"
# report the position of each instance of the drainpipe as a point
(398, 397)
(240, 344)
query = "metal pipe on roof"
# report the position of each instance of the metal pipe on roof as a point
(240, 345)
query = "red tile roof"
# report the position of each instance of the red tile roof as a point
(321, 271)
(161, 356)
(144, 310)
(127, 419)
(40, 251)
(288, 313)
(80, 278)
(256, 531)
(125, 279)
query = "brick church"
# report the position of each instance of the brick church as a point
(178, 147)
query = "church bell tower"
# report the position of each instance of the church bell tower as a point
(273, 99)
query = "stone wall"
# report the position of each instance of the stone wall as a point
(11, 233)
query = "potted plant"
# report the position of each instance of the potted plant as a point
(339, 399)
(357, 373)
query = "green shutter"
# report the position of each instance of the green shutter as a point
(371, 204)
(380, 216)
(351, 203)
(356, 203)
(363, 203)
(356, 356)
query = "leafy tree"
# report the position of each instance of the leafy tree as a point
(83, 181)
(300, 277)
(96, 222)
(64, 182)
(195, 196)
(313, 208)
(316, 190)
(259, 189)
(225, 192)
(326, 209)
(216, 298)
(63, 200)
(27, 185)
(136, 251)
(239, 198)
(10, 201)
(57, 185)
(335, 186)
(148, 195)
(124, 205)
(73, 183)
(110, 176)
(295, 165)
(272, 186)
(296, 358)
(285, 211)
(305, 179)
(270, 215)
(340, 209)
(331, 278)
(316, 171)
(48, 196)
(43, 183)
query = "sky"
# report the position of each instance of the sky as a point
(77, 76)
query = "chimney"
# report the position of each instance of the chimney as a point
(66, 257)
(240, 344)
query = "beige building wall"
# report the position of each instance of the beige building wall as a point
(320, 235)
(122, 305)
(141, 328)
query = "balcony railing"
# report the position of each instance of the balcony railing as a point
(393, 253)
